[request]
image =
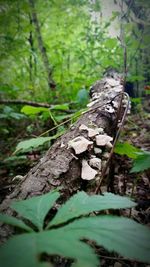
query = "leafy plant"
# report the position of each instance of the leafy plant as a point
(15, 160)
(27, 145)
(29, 110)
(83, 97)
(9, 113)
(65, 233)
(126, 149)
(142, 162)
(141, 159)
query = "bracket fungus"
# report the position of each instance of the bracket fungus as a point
(87, 172)
(103, 140)
(91, 131)
(95, 162)
(97, 150)
(80, 144)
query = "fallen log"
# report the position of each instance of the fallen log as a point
(78, 158)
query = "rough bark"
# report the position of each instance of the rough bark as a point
(60, 167)
(42, 48)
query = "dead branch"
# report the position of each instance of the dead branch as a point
(77, 159)
(31, 103)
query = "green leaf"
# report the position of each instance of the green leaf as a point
(35, 209)
(9, 113)
(81, 204)
(24, 146)
(15, 160)
(17, 116)
(142, 162)
(137, 100)
(59, 118)
(14, 221)
(82, 97)
(126, 149)
(29, 110)
(20, 251)
(110, 43)
(118, 234)
(24, 250)
(61, 106)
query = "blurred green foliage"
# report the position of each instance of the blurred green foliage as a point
(78, 49)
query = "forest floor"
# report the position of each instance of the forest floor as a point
(135, 185)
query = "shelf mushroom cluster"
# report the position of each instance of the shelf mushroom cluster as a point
(98, 140)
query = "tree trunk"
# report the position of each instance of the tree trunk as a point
(61, 166)
(42, 48)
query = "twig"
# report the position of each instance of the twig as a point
(33, 104)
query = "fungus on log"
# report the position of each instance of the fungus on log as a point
(80, 144)
(103, 140)
(87, 173)
(63, 164)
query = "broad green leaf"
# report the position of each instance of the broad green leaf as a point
(24, 250)
(126, 149)
(81, 204)
(23, 146)
(117, 234)
(61, 106)
(122, 235)
(29, 110)
(35, 209)
(142, 162)
(59, 118)
(20, 251)
(14, 221)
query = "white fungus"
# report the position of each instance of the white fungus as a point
(80, 144)
(91, 131)
(87, 172)
(102, 139)
(95, 162)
